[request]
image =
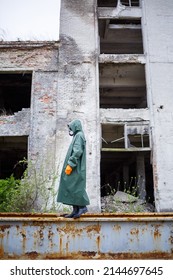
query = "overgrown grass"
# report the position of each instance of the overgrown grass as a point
(34, 192)
(131, 189)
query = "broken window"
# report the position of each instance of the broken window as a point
(130, 3)
(12, 150)
(137, 136)
(120, 36)
(113, 136)
(125, 160)
(15, 92)
(130, 136)
(113, 3)
(122, 86)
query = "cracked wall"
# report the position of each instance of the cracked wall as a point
(65, 86)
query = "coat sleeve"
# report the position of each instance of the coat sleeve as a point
(77, 150)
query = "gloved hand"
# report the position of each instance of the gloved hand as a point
(68, 170)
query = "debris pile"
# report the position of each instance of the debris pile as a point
(124, 202)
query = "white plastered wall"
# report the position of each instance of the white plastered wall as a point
(158, 34)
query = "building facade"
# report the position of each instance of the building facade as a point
(110, 65)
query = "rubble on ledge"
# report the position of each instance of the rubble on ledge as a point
(124, 202)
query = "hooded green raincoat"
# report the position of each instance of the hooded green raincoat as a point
(72, 188)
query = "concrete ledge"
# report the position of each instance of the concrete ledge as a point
(119, 12)
(122, 58)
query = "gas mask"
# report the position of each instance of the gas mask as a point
(71, 132)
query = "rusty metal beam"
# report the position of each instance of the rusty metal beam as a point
(101, 236)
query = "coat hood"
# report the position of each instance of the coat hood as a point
(75, 126)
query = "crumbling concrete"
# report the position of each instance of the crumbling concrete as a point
(136, 88)
(17, 124)
(38, 122)
(124, 202)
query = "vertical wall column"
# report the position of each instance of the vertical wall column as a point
(43, 119)
(77, 90)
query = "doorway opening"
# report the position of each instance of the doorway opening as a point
(125, 160)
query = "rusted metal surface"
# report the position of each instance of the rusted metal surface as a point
(93, 236)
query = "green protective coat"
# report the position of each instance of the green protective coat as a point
(72, 188)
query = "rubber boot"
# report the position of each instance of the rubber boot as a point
(75, 210)
(82, 210)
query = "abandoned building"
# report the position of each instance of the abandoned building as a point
(108, 63)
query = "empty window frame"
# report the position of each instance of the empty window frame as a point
(124, 163)
(120, 36)
(137, 136)
(122, 86)
(13, 149)
(15, 92)
(128, 136)
(127, 171)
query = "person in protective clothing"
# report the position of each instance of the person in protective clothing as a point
(72, 187)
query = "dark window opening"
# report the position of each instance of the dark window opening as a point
(122, 171)
(107, 3)
(12, 150)
(127, 22)
(122, 86)
(125, 160)
(15, 92)
(119, 36)
(113, 136)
